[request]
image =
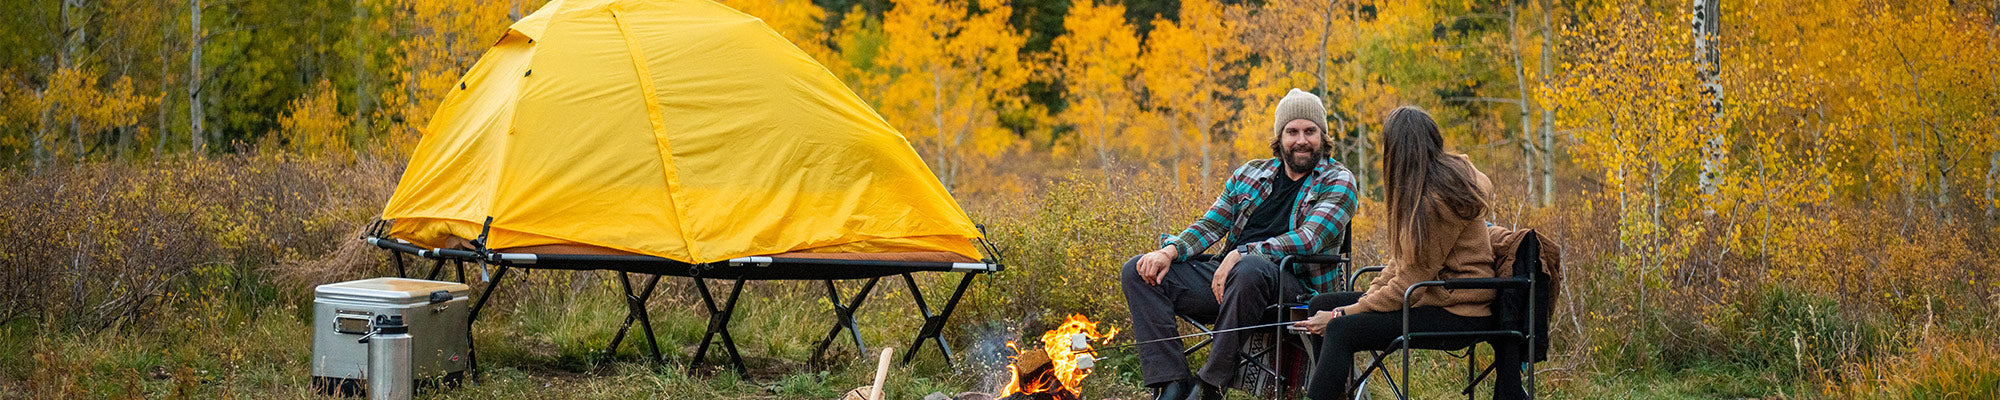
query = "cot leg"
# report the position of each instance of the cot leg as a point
(635, 310)
(844, 317)
(934, 324)
(718, 325)
(436, 267)
(472, 317)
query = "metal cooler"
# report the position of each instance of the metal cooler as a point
(440, 345)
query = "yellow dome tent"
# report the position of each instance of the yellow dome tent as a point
(681, 129)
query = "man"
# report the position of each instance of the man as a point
(1294, 203)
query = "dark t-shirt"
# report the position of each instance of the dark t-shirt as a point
(1274, 216)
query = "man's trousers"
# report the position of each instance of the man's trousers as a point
(1248, 293)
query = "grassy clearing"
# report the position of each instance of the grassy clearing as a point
(545, 339)
(193, 280)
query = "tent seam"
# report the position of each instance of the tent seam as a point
(653, 111)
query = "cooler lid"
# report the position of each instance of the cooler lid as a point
(390, 290)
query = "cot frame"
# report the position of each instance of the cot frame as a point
(735, 271)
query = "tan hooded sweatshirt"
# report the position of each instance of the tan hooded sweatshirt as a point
(1454, 249)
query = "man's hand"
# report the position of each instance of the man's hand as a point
(1153, 266)
(1222, 273)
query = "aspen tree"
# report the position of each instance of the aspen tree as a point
(1099, 70)
(1188, 66)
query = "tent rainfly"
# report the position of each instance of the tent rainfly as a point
(675, 138)
(680, 129)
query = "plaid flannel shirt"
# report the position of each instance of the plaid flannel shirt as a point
(1322, 208)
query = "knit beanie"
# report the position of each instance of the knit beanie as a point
(1299, 105)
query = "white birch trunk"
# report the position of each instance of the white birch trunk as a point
(1521, 90)
(1714, 150)
(1325, 33)
(1548, 114)
(937, 126)
(39, 147)
(1992, 170)
(1103, 134)
(1203, 120)
(1325, 82)
(198, 138)
(362, 78)
(1202, 125)
(1360, 166)
(166, 90)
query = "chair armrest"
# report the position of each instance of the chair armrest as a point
(1412, 290)
(1474, 283)
(1289, 263)
(1486, 283)
(1356, 277)
(1310, 259)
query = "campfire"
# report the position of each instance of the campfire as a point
(1056, 370)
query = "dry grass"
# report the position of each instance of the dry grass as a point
(1935, 368)
(191, 279)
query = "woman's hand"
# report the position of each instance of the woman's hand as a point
(1222, 273)
(1317, 323)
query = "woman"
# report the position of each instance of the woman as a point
(1436, 202)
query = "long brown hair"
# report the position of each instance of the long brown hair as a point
(1417, 175)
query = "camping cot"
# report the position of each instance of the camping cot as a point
(674, 138)
(804, 266)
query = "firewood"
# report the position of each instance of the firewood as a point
(1033, 365)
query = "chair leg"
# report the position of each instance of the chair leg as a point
(1528, 366)
(1471, 364)
(1274, 372)
(1197, 345)
(1303, 341)
(1403, 394)
(1379, 361)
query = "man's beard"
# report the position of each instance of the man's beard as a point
(1303, 164)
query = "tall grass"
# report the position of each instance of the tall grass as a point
(92, 246)
(192, 278)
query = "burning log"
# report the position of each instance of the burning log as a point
(1035, 378)
(1055, 371)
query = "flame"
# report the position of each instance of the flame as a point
(1057, 344)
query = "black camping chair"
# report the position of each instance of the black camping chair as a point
(1523, 304)
(1268, 362)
